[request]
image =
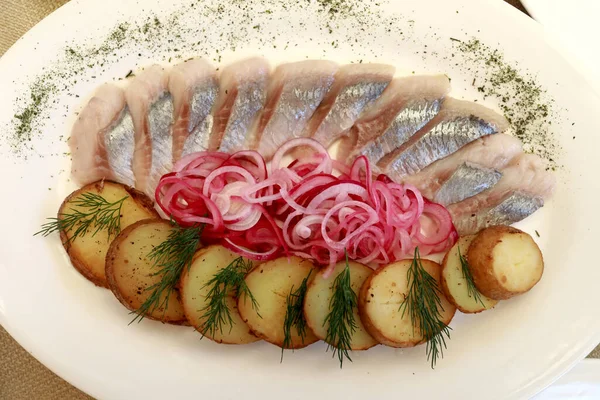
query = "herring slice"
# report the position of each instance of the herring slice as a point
(193, 85)
(468, 180)
(151, 108)
(491, 151)
(458, 124)
(355, 87)
(295, 92)
(405, 107)
(524, 186)
(102, 139)
(242, 95)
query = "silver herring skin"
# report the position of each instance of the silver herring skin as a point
(160, 119)
(492, 151)
(514, 208)
(120, 145)
(521, 190)
(194, 87)
(102, 139)
(458, 124)
(409, 120)
(201, 120)
(151, 107)
(295, 92)
(355, 88)
(407, 105)
(468, 180)
(243, 93)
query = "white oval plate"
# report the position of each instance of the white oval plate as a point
(81, 332)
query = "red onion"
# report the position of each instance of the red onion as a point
(316, 207)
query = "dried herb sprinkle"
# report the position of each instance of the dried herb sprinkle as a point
(523, 101)
(227, 27)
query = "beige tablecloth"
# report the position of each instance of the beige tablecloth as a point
(21, 376)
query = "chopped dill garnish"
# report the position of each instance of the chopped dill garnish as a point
(169, 258)
(340, 320)
(423, 306)
(231, 278)
(294, 314)
(466, 271)
(98, 214)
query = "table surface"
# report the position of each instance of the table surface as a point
(22, 377)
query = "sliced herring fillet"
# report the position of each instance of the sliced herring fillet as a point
(355, 87)
(524, 186)
(404, 107)
(194, 86)
(242, 95)
(151, 108)
(467, 180)
(102, 139)
(457, 124)
(491, 151)
(295, 92)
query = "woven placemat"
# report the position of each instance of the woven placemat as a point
(22, 377)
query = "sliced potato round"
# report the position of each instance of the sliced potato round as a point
(380, 299)
(318, 297)
(129, 272)
(271, 283)
(454, 283)
(505, 262)
(207, 263)
(88, 252)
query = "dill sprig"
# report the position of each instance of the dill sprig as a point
(97, 214)
(466, 271)
(170, 258)
(294, 314)
(423, 306)
(231, 278)
(341, 316)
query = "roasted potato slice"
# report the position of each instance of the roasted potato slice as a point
(129, 272)
(318, 297)
(505, 262)
(88, 252)
(380, 299)
(454, 283)
(271, 283)
(207, 263)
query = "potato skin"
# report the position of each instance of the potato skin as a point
(90, 265)
(117, 275)
(482, 261)
(206, 263)
(397, 271)
(270, 284)
(451, 265)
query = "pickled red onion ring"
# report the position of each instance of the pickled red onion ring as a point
(314, 207)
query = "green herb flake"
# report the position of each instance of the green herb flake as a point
(423, 305)
(340, 321)
(294, 314)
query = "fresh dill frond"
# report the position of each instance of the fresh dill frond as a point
(466, 271)
(96, 214)
(423, 306)
(231, 278)
(340, 319)
(294, 314)
(169, 258)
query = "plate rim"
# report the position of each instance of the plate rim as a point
(548, 377)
